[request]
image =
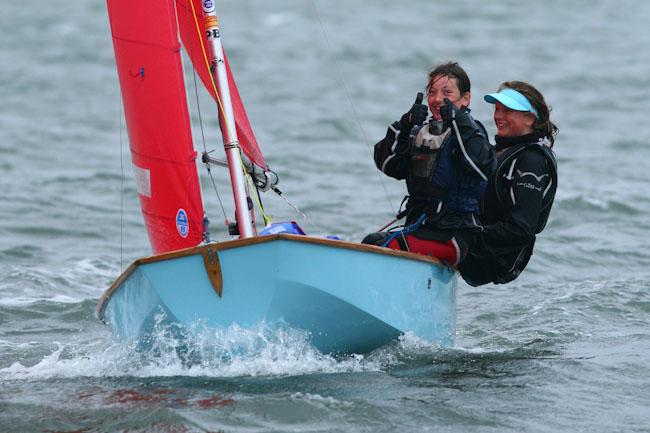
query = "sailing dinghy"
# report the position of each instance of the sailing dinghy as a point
(346, 297)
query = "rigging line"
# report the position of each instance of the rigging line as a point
(257, 197)
(214, 185)
(203, 141)
(119, 104)
(214, 87)
(225, 119)
(187, 97)
(267, 218)
(301, 213)
(207, 65)
(341, 79)
(207, 164)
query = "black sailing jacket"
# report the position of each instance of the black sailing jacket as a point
(454, 180)
(515, 208)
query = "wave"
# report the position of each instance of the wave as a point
(79, 280)
(259, 352)
(231, 352)
(597, 205)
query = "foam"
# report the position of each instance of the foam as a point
(231, 352)
(21, 301)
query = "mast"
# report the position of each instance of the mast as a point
(228, 130)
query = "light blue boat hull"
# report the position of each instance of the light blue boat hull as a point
(350, 298)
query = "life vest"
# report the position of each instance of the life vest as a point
(424, 160)
(436, 179)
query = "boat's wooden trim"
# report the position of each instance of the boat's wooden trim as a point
(321, 241)
(213, 267)
(215, 274)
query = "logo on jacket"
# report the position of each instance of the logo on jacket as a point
(182, 223)
(530, 173)
(529, 186)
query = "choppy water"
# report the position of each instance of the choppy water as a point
(564, 348)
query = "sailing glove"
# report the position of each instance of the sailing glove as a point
(449, 113)
(413, 118)
(416, 115)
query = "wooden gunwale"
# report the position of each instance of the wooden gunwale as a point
(251, 241)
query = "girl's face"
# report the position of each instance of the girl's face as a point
(512, 123)
(441, 87)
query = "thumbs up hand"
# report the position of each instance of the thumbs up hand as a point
(415, 116)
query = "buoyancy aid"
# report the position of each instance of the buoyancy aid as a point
(436, 179)
(424, 161)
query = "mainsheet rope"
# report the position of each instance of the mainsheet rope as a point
(348, 96)
(341, 79)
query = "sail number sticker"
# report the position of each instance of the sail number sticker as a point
(208, 6)
(182, 223)
(212, 33)
(142, 180)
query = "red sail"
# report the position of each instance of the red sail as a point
(147, 53)
(190, 37)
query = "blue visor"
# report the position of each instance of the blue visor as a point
(512, 99)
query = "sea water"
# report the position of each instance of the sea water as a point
(563, 348)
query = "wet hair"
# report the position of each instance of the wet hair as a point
(452, 70)
(542, 124)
